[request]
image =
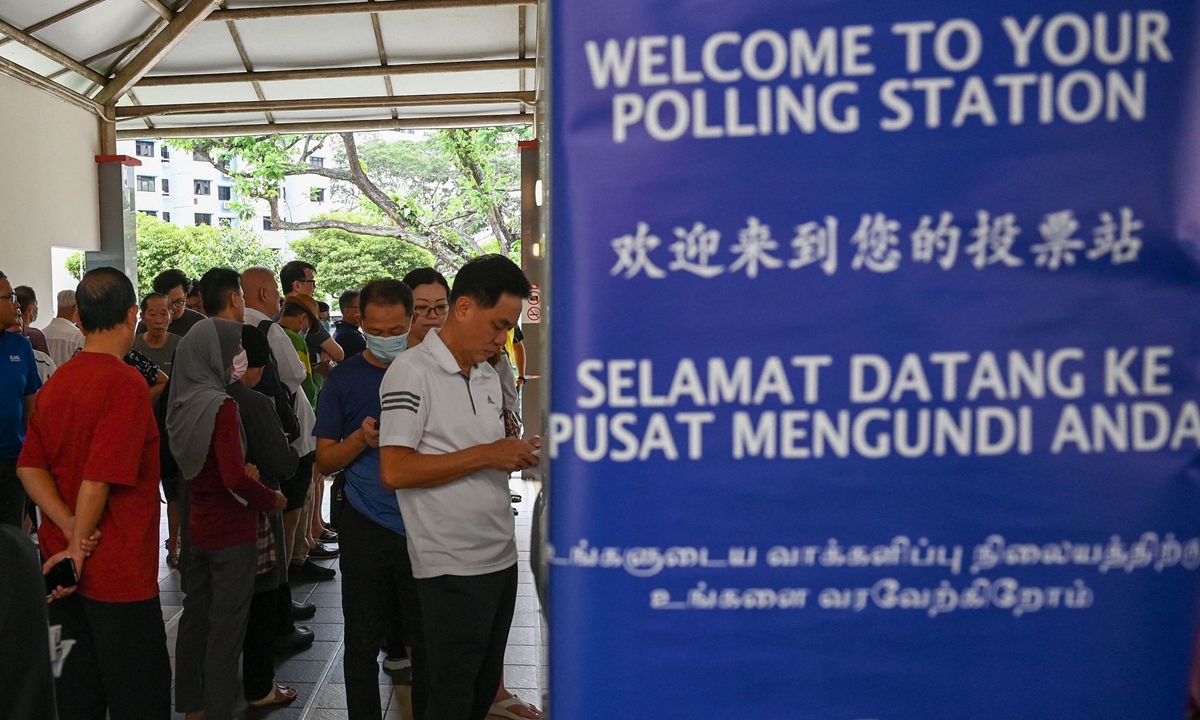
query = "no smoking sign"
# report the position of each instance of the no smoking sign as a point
(533, 307)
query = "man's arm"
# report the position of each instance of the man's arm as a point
(333, 455)
(159, 385)
(39, 486)
(331, 348)
(30, 402)
(291, 370)
(403, 467)
(519, 361)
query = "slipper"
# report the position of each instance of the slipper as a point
(279, 695)
(501, 709)
(172, 557)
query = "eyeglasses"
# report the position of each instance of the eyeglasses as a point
(313, 281)
(431, 310)
(11, 297)
(179, 303)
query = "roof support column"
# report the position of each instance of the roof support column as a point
(118, 209)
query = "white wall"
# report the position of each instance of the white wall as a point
(48, 186)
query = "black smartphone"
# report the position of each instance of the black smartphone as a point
(62, 575)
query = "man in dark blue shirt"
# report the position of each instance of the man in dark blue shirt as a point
(375, 564)
(346, 332)
(18, 383)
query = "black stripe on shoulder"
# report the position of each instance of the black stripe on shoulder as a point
(401, 394)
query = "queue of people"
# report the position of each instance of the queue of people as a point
(241, 406)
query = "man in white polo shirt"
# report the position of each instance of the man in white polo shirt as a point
(442, 448)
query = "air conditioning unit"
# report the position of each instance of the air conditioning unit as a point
(225, 204)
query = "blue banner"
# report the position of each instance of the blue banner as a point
(874, 352)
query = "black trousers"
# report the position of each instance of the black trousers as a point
(258, 657)
(119, 665)
(375, 571)
(12, 495)
(466, 621)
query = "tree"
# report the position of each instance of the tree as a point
(454, 193)
(194, 250)
(347, 261)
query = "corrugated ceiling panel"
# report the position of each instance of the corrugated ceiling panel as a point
(209, 48)
(310, 41)
(181, 94)
(485, 81)
(456, 34)
(340, 87)
(100, 27)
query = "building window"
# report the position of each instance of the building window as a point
(151, 213)
(199, 156)
(203, 187)
(166, 186)
(164, 153)
(145, 183)
(145, 148)
(317, 195)
(224, 192)
(204, 218)
(317, 162)
(267, 223)
(166, 216)
(225, 222)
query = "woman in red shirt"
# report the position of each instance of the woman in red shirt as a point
(224, 500)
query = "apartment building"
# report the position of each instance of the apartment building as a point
(182, 188)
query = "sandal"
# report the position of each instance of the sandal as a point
(501, 709)
(279, 695)
(172, 557)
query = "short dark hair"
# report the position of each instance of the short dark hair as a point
(25, 295)
(215, 286)
(293, 271)
(195, 291)
(386, 292)
(153, 296)
(3, 276)
(484, 279)
(168, 280)
(258, 350)
(347, 298)
(322, 306)
(294, 310)
(426, 276)
(104, 297)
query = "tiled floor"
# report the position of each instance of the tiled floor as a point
(317, 671)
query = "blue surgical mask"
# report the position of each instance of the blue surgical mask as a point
(385, 349)
(327, 325)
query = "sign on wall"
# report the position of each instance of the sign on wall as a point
(874, 379)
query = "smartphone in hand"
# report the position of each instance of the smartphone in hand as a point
(63, 574)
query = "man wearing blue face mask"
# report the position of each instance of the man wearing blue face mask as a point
(375, 563)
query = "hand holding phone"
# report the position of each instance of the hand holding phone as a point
(61, 575)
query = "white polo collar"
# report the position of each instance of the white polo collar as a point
(445, 358)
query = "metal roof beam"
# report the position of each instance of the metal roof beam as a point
(345, 8)
(27, 76)
(56, 18)
(163, 11)
(163, 43)
(311, 128)
(350, 103)
(49, 51)
(331, 73)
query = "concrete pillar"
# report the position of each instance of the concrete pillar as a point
(534, 397)
(118, 219)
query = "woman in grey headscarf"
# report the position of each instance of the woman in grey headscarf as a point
(225, 499)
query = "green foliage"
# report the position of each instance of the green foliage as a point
(161, 245)
(261, 162)
(345, 260)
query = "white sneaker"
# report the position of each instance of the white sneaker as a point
(399, 663)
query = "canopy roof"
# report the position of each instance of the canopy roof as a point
(180, 68)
